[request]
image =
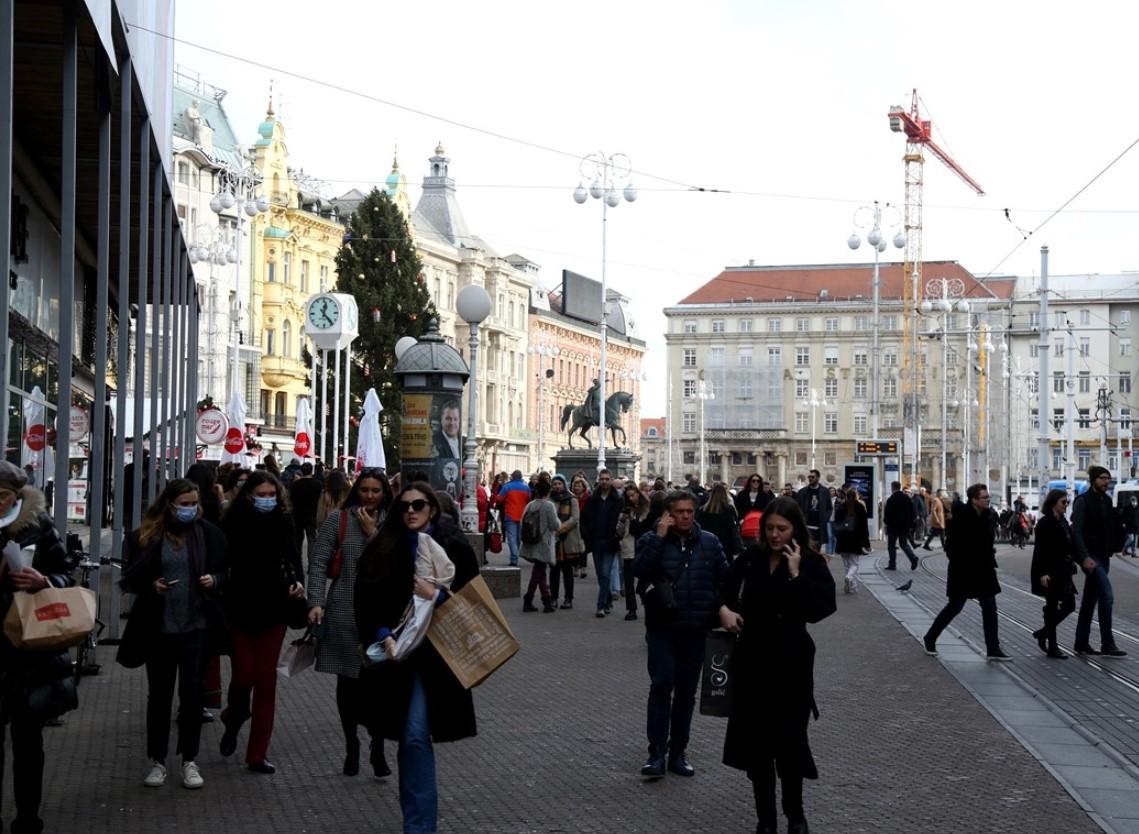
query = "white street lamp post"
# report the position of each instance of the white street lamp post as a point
(703, 394)
(541, 351)
(604, 172)
(473, 306)
(948, 289)
(814, 402)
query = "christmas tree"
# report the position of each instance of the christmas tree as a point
(378, 265)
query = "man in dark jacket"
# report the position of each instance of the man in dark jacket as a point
(899, 517)
(599, 523)
(972, 571)
(815, 502)
(680, 568)
(304, 495)
(1097, 532)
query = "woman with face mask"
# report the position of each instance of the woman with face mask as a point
(176, 562)
(264, 572)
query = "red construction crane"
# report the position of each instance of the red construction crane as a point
(919, 136)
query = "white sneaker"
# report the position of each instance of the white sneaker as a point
(157, 776)
(191, 777)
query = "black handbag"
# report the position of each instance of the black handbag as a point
(296, 612)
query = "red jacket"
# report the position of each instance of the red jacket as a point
(484, 502)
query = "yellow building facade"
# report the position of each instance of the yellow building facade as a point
(295, 246)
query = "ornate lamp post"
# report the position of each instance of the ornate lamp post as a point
(604, 173)
(703, 394)
(948, 289)
(473, 306)
(540, 351)
(210, 245)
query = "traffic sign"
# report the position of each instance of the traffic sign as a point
(877, 447)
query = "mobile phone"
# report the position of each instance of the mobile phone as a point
(170, 583)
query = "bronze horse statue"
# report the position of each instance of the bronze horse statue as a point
(618, 403)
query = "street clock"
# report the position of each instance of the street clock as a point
(331, 320)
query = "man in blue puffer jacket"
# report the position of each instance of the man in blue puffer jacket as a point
(680, 569)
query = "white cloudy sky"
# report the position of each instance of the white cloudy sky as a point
(781, 102)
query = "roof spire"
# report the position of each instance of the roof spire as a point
(269, 109)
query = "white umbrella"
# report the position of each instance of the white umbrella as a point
(235, 411)
(370, 443)
(302, 433)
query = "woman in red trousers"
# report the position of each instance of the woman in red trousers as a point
(264, 571)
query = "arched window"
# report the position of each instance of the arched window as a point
(270, 342)
(287, 339)
(652, 431)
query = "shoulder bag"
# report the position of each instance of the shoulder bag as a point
(336, 560)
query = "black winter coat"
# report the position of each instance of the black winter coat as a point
(263, 563)
(1052, 556)
(1097, 529)
(387, 686)
(745, 505)
(695, 564)
(972, 557)
(142, 567)
(599, 521)
(33, 528)
(772, 666)
(899, 513)
(858, 539)
(725, 526)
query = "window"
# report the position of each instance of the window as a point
(745, 325)
(1034, 350)
(1125, 382)
(802, 389)
(1125, 418)
(952, 322)
(717, 325)
(862, 322)
(271, 277)
(1085, 318)
(860, 424)
(181, 211)
(801, 457)
(1085, 423)
(830, 325)
(801, 424)
(745, 386)
(861, 358)
(287, 261)
(830, 355)
(717, 356)
(802, 356)
(1057, 382)
(1034, 383)
(1125, 317)
(689, 422)
(183, 173)
(1058, 418)
(1060, 319)
(830, 459)
(270, 342)
(690, 325)
(802, 325)
(1034, 321)
(689, 358)
(323, 278)
(1085, 382)
(860, 388)
(1058, 347)
(690, 457)
(1085, 347)
(951, 387)
(690, 388)
(774, 325)
(1124, 347)
(889, 322)
(775, 357)
(287, 339)
(304, 276)
(830, 389)
(1036, 418)
(1085, 458)
(745, 357)
(890, 357)
(1057, 457)
(890, 387)
(830, 423)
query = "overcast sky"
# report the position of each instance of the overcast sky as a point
(782, 103)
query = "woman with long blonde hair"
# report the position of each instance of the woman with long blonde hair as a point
(852, 536)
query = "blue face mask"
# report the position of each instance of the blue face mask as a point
(264, 505)
(186, 514)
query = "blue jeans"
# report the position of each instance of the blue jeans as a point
(603, 564)
(418, 794)
(513, 538)
(1097, 590)
(615, 576)
(831, 539)
(675, 661)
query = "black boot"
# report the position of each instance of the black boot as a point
(798, 826)
(352, 757)
(654, 767)
(678, 764)
(548, 606)
(380, 767)
(528, 605)
(232, 725)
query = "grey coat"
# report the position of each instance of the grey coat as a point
(543, 551)
(338, 652)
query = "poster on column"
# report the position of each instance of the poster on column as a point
(431, 440)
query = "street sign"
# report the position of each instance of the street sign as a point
(877, 447)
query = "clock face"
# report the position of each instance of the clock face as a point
(323, 313)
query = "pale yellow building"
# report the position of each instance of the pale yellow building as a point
(294, 257)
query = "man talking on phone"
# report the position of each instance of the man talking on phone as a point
(680, 569)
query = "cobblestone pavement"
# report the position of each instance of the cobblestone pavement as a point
(901, 748)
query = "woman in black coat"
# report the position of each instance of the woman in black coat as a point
(852, 536)
(718, 517)
(264, 573)
(417, 701)
(1052, 570)
(175, 564)
(773, 590)
(752, 496)
(27, 675)
(972, 571)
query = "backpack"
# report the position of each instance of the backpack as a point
(532, 532)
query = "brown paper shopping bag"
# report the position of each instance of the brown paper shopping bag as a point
(50, 620)
(471, 634)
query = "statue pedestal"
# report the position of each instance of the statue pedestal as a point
(621, 463)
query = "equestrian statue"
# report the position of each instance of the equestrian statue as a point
(582, 418)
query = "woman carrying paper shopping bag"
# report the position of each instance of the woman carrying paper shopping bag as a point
(24, 524)
(417, 700)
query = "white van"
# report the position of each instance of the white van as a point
(1124, 492)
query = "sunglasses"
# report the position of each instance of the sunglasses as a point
(415, 506)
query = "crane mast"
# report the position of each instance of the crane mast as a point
(919, 136)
